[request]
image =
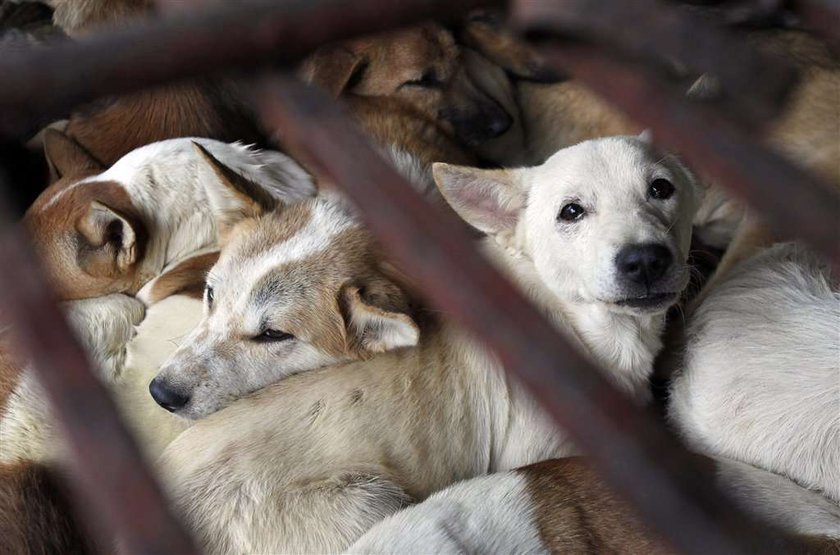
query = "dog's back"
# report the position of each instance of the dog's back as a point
(761, 378)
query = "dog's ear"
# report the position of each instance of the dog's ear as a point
(489, 200)
(485, 33)
(334, 68)
(238, 197)
(111, 240)
(65, 156)
(377, 316)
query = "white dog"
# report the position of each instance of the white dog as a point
(761, 379)
(598, 236)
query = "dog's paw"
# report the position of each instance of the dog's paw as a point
(105, 325)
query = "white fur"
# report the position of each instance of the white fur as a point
(127, 359)
(497, 514)
(761, 382)
(274, 472)
(103, 326)
(181, 199)
(491, 514)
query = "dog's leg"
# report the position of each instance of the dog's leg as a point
(320, 516)
(104, 326)
(185, 277)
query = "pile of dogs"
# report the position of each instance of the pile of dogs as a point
(295, 395)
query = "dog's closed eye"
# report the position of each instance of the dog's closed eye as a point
(272, 336)
(429, 80)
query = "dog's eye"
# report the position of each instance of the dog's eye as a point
(209, 294)
(571, 212)
(661, 189)
(272, 336)
(429, 80)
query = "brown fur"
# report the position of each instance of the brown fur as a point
(425, 68)
(323, 317)
(35, 515)
(577, 513)
(187, 278)
(81, 265)
(212, 109)
(391, 121)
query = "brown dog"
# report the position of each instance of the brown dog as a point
(468, 96)
(110, 129)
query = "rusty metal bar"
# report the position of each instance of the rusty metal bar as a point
(823, 16)
(40, 85)
(107, 470)
(756, 84)
(796, 203)
(631, 449)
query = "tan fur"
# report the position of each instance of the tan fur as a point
(112, 128)
(323, 279)
(391, 121)
(808, 132)
(466, 93)
(186, 278)
(35, 515)
(77, 17)
(563, 114)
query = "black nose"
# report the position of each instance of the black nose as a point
(167, 397)
(644, 264)
(476, 127)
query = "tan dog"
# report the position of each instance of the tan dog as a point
(467, 95)
(369, 387)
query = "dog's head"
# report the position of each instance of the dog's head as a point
(89, 238)
(461, 90)
(605, 221)
(294, 290)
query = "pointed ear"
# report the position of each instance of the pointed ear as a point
(489, 200)
(238, 197)
(334, 68)
(646, 136)
(65, 156)
(377, 318)
(102, 227)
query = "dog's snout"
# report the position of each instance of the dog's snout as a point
(644, 264)
(166, 396)
(479, 126)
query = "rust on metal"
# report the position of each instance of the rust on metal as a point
(794, 202)
(636, 455)
(111, 483)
